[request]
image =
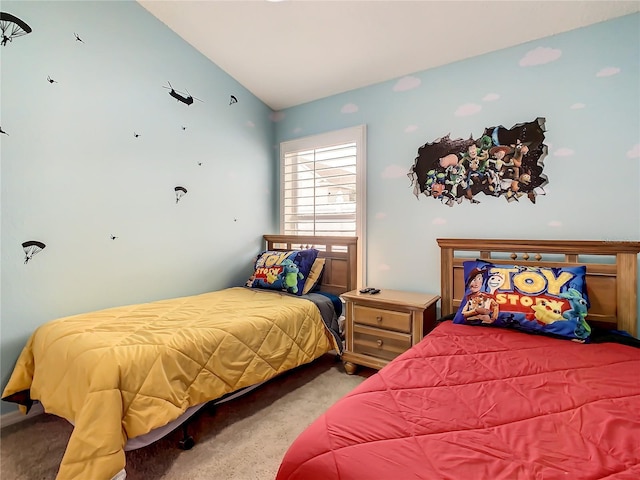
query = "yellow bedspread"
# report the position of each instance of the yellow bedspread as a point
(121, 372)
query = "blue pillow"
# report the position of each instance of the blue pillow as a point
(545, 300)
(283, 270)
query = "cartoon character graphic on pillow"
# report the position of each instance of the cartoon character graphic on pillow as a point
(290, 275)
(495, 281)
(480, 305)
(578, 312)
(547, 311)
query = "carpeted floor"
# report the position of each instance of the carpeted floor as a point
(243, 439)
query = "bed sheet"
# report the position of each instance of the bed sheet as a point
(473, 402)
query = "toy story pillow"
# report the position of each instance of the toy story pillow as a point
(283, 270)
(533, 299)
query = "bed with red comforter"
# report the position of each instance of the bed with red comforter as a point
(477, 402)
(482, 403)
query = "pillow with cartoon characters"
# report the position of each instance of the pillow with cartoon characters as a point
(286, 271)
(543, 300)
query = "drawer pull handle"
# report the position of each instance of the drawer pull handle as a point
(379, 318)
(379, 342)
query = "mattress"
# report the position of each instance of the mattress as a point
(471, 402)
(120, 373)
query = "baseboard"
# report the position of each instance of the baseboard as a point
(12, 418)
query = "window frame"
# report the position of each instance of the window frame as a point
(357, 135)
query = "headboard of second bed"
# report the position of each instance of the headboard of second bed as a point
(612, 271)
(340, 254)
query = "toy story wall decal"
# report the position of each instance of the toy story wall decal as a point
(12, 27)
(502, 162)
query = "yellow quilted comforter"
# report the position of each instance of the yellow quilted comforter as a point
(121, 372)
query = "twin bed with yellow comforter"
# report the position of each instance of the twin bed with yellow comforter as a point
(120, 373)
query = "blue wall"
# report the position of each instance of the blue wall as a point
(585, 83)
(73, 174)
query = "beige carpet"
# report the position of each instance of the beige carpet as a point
(243, 439)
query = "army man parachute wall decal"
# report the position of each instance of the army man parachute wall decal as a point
(180, 192)
(31, 248)
(12, 27)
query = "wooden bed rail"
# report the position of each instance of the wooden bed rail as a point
(612, 271)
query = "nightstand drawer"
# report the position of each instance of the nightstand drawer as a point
(379, 343)
(380, 318)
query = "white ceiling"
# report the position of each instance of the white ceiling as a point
(291, 52)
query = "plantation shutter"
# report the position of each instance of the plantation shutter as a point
(319, 195)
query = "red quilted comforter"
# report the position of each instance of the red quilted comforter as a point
(472, 402)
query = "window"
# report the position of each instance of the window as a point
(322, 187)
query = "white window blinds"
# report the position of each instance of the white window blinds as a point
(320, 184)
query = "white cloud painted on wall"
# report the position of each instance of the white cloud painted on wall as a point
(577, 106)
(276, 116)
(394, 171)
(468, 109)
(540, 56)
(349, 108)
(490, 97)
(439, 221)
(563, 152)
(407, 83)
(381, 216)
(608, 71)
(634, 152)
(411, 128)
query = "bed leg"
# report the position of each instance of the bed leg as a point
(187, 441)
(350, 368)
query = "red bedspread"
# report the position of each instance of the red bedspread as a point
(482, 403)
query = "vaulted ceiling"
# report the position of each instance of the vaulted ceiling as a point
(295, 51)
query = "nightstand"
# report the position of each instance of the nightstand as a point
(380, 327)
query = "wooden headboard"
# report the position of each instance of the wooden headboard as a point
(612, 272)
(341, 254)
